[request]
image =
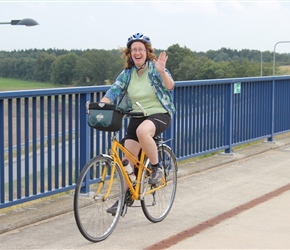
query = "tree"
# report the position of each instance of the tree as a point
(176, 55)
(97, 66)
(63, 69)
(186, 69)
(43, 67)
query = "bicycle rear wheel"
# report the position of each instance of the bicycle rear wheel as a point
(157, 205)
(92, 198)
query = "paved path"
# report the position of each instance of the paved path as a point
(206, 189)
(265, 226)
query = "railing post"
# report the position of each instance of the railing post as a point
(229, 119)
(2, 179)
(169, 133)
(84, 131)
(272, 111)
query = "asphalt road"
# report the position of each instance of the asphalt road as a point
(206, 188)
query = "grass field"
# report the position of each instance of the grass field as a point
(284, 70)
(19, 85)
(7, 84)
(15, 136)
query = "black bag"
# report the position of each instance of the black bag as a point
(105, 117)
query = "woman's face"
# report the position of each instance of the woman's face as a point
(138, 53)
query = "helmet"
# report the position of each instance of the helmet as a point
(138, 37)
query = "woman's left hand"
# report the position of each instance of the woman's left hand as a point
(160, 63)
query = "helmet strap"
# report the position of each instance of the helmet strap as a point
(142, 67)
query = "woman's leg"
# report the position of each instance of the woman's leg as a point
(145, 133)
(133, 146)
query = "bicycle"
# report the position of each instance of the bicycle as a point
(101, 184)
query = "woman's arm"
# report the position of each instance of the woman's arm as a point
(160, 64)
(167, 80)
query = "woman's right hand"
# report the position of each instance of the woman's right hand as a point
(106, 100)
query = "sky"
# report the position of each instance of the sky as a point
(197, 25)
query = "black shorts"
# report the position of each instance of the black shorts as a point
(161, 122)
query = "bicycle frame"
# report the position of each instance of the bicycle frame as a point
(104, 190)
(139, 163)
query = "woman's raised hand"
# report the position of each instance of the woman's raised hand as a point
(160, 63)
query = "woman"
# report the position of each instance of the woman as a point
(145, 80)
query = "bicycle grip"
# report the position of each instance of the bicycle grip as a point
(137, 114)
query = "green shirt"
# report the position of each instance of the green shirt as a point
(140, 90)
(118, 90)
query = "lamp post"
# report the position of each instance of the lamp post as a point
(273, 92)
(27, 22)
(261, 63)
(274, 59)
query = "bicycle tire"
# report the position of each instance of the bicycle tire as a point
(91, 216)
(157, 205)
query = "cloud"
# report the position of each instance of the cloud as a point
(178, 8)
(198, 25)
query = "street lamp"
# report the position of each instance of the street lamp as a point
(27, 22)
(274, 60)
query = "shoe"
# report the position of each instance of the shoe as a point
(113, 209)
(156, 175)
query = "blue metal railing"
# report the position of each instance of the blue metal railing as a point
(45, 140)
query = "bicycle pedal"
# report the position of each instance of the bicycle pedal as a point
(129, 203)
(128, 199)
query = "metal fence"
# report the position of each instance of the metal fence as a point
(45, 140)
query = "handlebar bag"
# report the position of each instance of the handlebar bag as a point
(104, 116)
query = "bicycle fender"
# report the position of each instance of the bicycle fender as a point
(107, 156)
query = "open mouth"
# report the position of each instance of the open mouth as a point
(138, 60)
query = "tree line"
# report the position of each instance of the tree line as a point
(98, 67)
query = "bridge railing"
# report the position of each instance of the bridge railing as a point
(215, 115)
(45, 140)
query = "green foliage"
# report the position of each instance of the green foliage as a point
(63, 69)
(219, 64)
(177, 55)
(98, 67)
(43, 67)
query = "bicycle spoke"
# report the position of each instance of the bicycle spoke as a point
(157, 204)
(92, 199)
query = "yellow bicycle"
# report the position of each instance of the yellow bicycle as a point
(101, 184)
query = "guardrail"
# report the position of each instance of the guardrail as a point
(215, 115)
(45, 140)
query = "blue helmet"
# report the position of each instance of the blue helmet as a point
(138, 37)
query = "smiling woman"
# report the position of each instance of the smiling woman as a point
(144, 80)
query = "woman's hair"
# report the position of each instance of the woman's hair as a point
(129, 62)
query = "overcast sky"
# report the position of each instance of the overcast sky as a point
(198, 25)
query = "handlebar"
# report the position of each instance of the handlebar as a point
(133, 113)
(127, 113)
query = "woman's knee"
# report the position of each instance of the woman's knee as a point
(146, 128)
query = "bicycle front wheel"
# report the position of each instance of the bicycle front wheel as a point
(95, 192)
(157, 204)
